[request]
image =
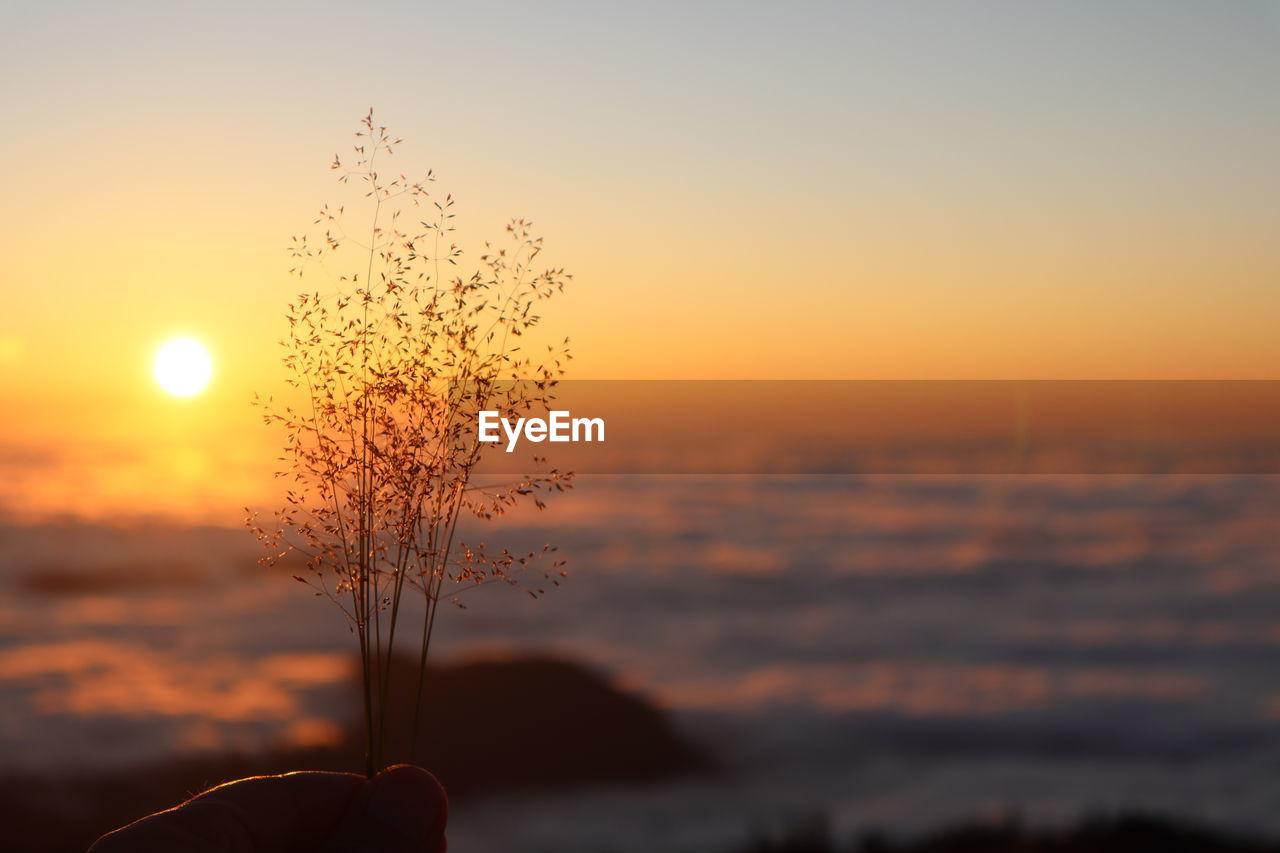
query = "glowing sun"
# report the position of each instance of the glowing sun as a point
(183, 367)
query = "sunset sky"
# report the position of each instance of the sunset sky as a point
(861, 190)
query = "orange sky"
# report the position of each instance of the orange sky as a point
(883, 191)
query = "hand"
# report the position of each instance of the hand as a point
(400, 810)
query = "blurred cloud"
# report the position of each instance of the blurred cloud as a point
(123, 679)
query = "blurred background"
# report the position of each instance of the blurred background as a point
(895, 652)
(872, 190)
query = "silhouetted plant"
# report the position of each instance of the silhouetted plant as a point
(391, 362)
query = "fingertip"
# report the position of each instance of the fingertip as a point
(408, 799)
(402, 809)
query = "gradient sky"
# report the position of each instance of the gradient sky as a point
(866, 190)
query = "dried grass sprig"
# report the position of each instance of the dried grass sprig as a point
(390, 364)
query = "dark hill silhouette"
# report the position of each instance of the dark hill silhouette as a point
(534, 723)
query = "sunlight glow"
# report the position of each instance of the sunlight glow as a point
(183, 367)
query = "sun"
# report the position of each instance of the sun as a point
(183, 367)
